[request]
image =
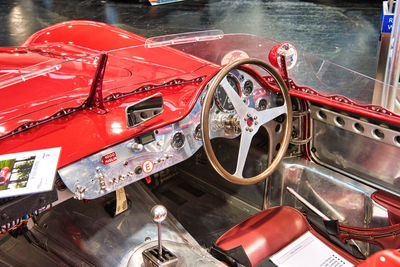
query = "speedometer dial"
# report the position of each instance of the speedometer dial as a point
(221, 99)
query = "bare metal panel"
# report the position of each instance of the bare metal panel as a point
(371, 155)
(86, 231)
(335, 195)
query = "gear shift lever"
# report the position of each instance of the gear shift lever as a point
(159, 213)
(157, 255)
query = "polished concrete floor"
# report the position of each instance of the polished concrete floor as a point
(345, 32)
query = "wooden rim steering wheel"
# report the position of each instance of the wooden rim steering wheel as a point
(249, 120)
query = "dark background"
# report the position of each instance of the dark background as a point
(344, 32)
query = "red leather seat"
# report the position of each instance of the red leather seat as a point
(268, 231)
(383, 258)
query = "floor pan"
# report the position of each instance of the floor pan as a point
(203, 211)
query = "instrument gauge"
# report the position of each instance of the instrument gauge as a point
(197, 132)
(221, 99)
(178, 140)
(248, 88)
(261, 104)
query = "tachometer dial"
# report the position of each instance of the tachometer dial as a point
(221, 99)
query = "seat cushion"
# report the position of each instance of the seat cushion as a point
(270, 230)
(265, 233)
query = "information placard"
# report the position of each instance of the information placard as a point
(28, 172)
(308, 251)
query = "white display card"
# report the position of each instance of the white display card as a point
(308, 251)
(28, 172)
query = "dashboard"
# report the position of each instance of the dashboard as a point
(141, 156)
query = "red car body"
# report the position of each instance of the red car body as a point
(48, 81)
(68, 40)
(77, 136)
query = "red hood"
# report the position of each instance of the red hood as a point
(86, 132)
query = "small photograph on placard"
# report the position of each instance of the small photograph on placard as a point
(14, 173)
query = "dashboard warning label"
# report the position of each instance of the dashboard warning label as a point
(147, 166)
(106, 159)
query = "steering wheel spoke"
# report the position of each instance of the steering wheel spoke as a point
(245, 142)
(272, 113)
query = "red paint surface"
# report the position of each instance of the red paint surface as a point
(86, 132)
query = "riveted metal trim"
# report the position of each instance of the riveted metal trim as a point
(358, 126)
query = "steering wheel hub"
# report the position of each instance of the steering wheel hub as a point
(250, 121)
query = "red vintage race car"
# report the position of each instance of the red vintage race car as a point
(304, 150)
(5, 175)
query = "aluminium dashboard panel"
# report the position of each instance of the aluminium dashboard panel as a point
(130, 161)
(141, 156)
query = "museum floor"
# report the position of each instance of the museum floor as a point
(344, 32)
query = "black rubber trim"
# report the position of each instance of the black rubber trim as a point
(235, 257)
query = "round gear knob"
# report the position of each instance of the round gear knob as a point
(159, 213)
